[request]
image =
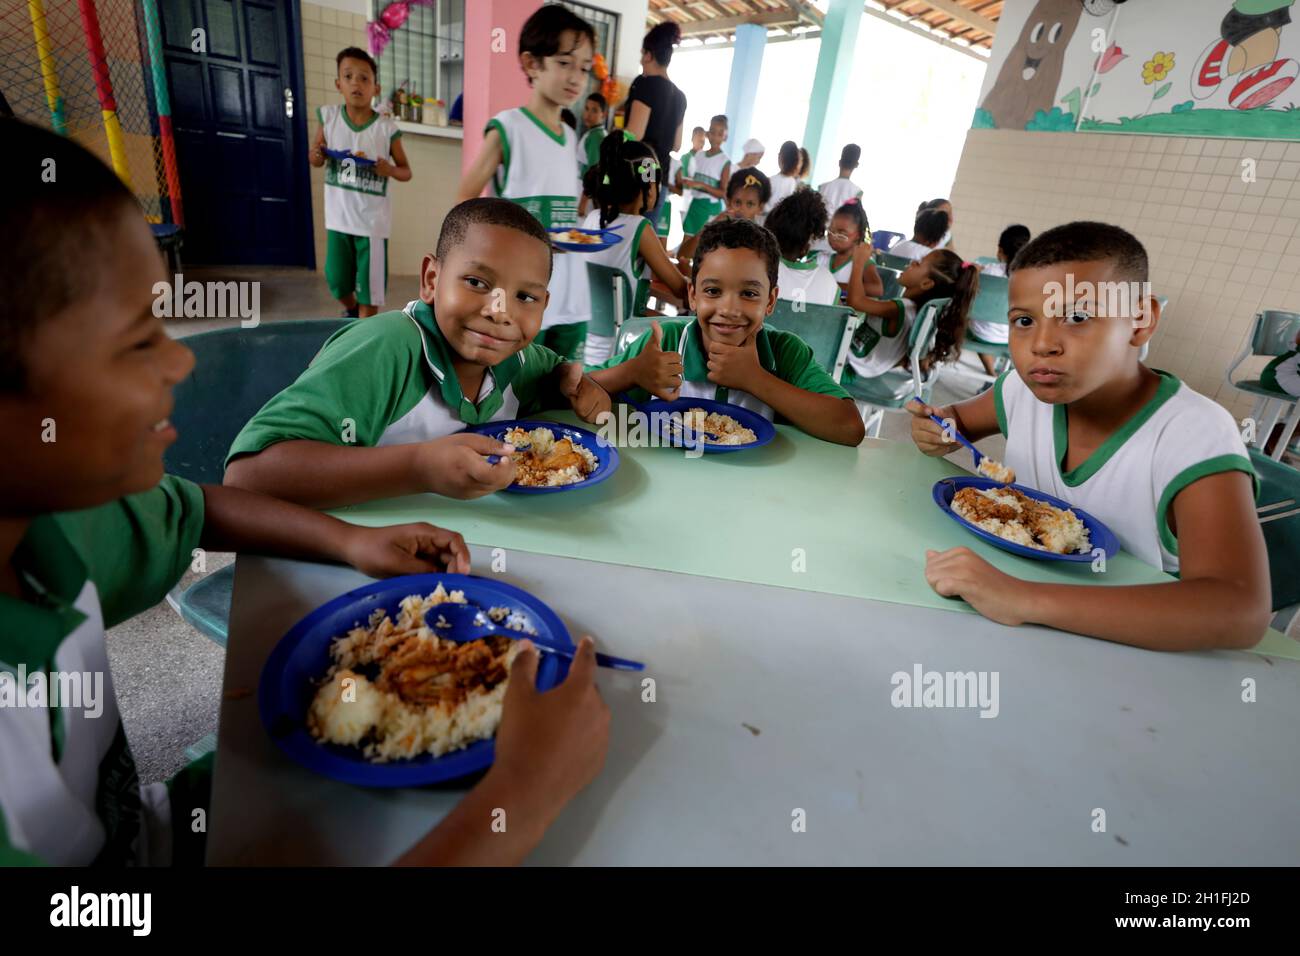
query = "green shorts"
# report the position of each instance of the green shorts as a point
(663, 226)
(356, 264)
(698, 216)
(566, 341)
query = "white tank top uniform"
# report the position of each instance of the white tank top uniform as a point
(907, 249)
(870, 359)
(808, 280)
(623, 257)
(782, 186)
(1130, 481)
(356, 197)
(539, 171)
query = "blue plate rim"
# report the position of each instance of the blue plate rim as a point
(1110, 545)
(766, 430)
(610, 238)
(595, 444)
(329, 761)
(342, 154)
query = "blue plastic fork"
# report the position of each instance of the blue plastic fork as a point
(469, 622)
(979, 457)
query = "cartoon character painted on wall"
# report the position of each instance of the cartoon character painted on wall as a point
(1247, 49)
(1032, 70)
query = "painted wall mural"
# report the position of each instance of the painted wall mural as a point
(1156, 67)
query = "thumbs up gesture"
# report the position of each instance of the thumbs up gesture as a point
(660, 373)
(587, 398)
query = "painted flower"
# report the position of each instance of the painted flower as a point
(1157, 68)
(1111, 58)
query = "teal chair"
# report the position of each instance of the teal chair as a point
(990, 305)
(1271, 334)
(987, 261)
(828, 330)
(1278, 507)
(893, 288)
(236, 372)
(611, 305)
(896, 387)
(631, 330)
(893, 262)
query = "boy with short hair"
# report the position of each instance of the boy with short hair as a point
(593, 121)
(726, 354)
(92, 532)
(358, 213)
(1163, 466)
(707, 179)
(377, 412)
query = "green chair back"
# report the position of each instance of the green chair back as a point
(1275, 332)
(990, 303)
(236, 371)
(893, 288)
(611, 300)
(827, 329)
(1278, 507)
(631, 330)
(894, 262)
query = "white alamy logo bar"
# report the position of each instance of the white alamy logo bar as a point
(179, 299)
(74, 908)
(948, 689)
(74, 690)
(1110, 300)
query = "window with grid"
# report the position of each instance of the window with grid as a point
(426, 56)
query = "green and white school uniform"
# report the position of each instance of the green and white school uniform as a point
(707, 168)
(688, 160)
(539, 171)
(873, 352)
(1283, 374)
(1129, 482)
(782, 186)
(390, 381)
(808, 281)
(841, 274)
(625, 257)
(589, 148)
(835, 194)
(664, 225)
(358, 214)
(69, 792)
(782, 353)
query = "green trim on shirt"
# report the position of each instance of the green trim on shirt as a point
(802, 265)
(500, 187)
(558, 137)
(10, 855)
(634, 247)
(1106, 450)
(999, 406)
(374, 118)
(1190, 475)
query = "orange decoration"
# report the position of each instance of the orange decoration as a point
(599, 68)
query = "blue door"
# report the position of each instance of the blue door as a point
(241, 133)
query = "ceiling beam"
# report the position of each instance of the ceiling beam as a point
(729, 24)
(963, 15)
(932, 35)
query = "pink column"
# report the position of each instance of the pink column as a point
(493, 78)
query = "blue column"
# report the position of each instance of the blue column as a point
(839, 37)
(746, 65)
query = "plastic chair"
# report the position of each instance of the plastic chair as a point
(893, 288)
(893, 262)
(1278, 508)
(882, 239)
(236, 372)
(896, 387)
(631, 330)
(1271, 334)
(987, 261)
(611, 304)
(828, 330)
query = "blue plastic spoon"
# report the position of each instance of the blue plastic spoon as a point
(469, 622)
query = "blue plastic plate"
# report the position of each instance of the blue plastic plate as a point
(299, 662)
(608, 237)
(606, 455)
(341, 154)
(1100, 536)
(763, 430)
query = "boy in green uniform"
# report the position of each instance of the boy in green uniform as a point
(725, 353)
(92, 532)
(375, 415)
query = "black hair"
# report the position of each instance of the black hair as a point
(796, 221)
(750, 177)
(958, 281)
(621, 174)
(1012, 240)
(356, 53)
(571, 121)
(698, 129)
(661, 39)
(599, 100)
(65, 227)
(805, 162)
(720, 118)
(850, 155)
(1086, 242)
(932, 226)
(543, 32)
(788, 157)
(738, 234)
(853, 209)
(489, 211)
(932, 204)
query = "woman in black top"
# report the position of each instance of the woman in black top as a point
(655, 106)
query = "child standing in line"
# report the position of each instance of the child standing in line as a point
(625, 183)
(684, 172)
(787, 180)
(358, 213)
(802, 276)
(530, 157)
(593, 120)
(707, 179)
(840, 190)
(748, 190)
(849, 229)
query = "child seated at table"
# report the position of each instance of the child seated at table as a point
(803, 275)
(881, 341)
(625, 182)
(725, 353)
(927, 234)
(849, 229)
(92, 532)
(748, 191)
(360, 422)
(1012, 240)
(1086, 421)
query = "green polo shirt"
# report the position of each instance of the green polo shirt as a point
(782, 353)
(389, 380)
(69, 793)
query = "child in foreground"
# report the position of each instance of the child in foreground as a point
(92, 532)
(725, 353)
(361, 422)
(1161, 465)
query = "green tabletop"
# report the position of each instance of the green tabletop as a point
(797, 513)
